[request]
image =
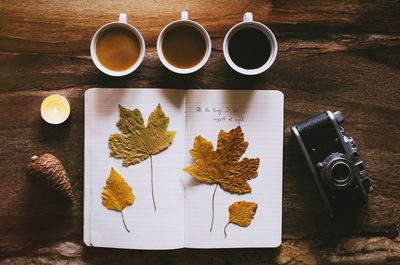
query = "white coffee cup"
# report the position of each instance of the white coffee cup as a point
(122, 23)
(249, 23)
(184, 21)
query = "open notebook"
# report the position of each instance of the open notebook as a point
(183, 214)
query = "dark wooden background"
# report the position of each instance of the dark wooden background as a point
(337, 55)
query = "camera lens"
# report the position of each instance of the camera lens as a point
(336, 171)
(340, 171)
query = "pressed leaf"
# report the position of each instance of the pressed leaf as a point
(222, 166)
(241, 213)
(139, 142)
(117, 194)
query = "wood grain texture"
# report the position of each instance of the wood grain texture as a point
(337, 55)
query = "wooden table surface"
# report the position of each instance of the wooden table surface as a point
(337, 55)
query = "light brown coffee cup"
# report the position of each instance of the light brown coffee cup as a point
(184, 21)
(122, 23)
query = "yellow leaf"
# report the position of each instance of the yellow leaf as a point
(117, 194)
(241, 213)
(139, 142)
(222, 166)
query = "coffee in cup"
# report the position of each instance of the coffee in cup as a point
(117, 48)
(250, 47)
(184, 46)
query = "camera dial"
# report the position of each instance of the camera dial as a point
(337, 171)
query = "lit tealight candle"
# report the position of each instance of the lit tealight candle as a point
(55, 109)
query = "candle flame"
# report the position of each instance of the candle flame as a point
(55, 109)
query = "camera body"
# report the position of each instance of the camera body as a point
(335, 163)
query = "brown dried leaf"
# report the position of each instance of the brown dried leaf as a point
(222, 166)
(117, 194)
(139, 142)
(241, 213)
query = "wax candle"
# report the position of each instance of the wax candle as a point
(55, 109)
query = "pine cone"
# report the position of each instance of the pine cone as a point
(48, 170)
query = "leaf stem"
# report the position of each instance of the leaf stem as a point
(225, 228)
(152, 186)
(151, 164)
(123, 220)
(212, 219)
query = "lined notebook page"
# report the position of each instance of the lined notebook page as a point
(260, 115)
(162, 229)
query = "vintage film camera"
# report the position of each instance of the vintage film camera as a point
(334, 161)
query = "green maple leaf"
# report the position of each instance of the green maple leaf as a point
(139, 142)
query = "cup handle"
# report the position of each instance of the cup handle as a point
(184, 15)
(123, 18)
(248, 16)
